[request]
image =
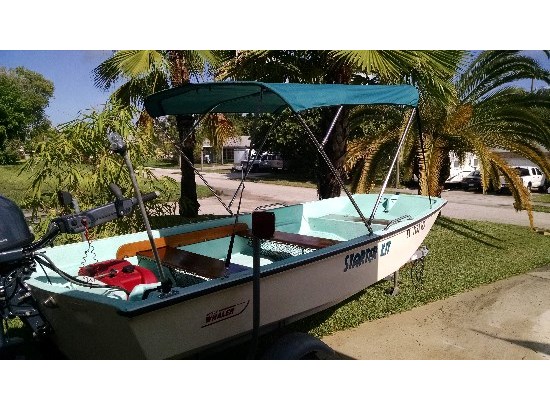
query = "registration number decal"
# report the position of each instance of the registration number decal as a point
(413, 230)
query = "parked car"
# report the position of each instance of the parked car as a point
(254, 165)
(272, 162)
(266, 162)
(472, 181)
(532, 178)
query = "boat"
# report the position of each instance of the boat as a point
(181, 291)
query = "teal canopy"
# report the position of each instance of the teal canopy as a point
(256, 97)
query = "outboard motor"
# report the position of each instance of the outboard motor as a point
(15, 297)
(19, 256)
(14, 231)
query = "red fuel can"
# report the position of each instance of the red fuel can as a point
(119, 272)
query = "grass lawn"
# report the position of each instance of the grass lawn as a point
(14, 186)
(541, 202)
(159, 163)
(542, 198)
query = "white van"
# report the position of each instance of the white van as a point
(266, 162)
(532, 177)
(272, 162)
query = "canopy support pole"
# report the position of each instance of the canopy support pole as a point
(332, 169)
(331, 126)
(255, 158)
(401, 141)
(188, 161)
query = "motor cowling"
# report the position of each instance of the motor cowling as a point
(14, 231)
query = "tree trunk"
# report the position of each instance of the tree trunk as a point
(421, 159)
(336, 150)
(432, 171)
(179, 75)
(188, 203)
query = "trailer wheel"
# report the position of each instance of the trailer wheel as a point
(298, 346)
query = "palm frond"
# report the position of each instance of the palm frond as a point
(132, 64)
(494, 69)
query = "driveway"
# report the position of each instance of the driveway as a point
(492, 208)
(508, 319)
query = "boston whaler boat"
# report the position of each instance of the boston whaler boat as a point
(180, 291)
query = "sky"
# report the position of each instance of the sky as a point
(71, 73)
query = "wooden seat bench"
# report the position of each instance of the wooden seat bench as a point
(304, 241)
(191, 262)
(175, 241)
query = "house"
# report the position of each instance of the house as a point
(236, 150)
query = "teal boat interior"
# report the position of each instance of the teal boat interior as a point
(196, 253)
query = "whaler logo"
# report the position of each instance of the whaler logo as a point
(354, 260)
(225, 313)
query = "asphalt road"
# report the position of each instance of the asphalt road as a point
(506, 320)
(461, 205)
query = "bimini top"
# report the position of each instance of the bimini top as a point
(255, 97)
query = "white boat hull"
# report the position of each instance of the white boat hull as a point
(189, 322)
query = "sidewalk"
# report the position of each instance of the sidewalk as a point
(506, 320)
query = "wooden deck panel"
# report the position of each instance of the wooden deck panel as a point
(195, 263)
(305, 241)
(175, 241)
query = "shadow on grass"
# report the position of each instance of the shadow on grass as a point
(468, 232)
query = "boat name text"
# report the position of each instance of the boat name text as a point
(354, 260)
(385, 248)
(225, 313)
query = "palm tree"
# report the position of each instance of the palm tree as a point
(485, 111)
(218, 129)
(341, 67)
(144, 72)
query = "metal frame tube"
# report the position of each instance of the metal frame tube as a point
(332, 126)
(144, 214)
(333, 170)
(243, 178)
(188, 161)
(402, 140)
